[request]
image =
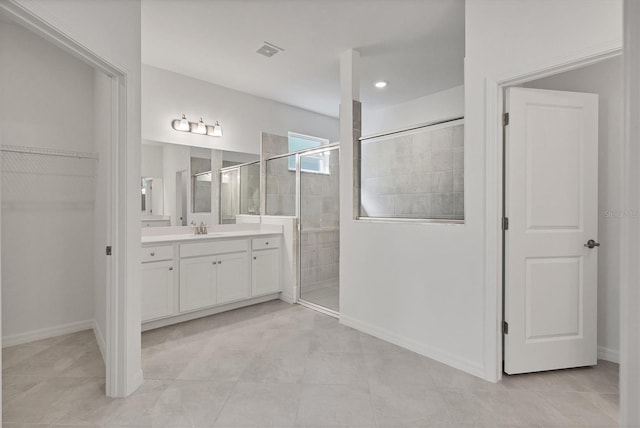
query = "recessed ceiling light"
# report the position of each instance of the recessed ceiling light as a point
(381, 84)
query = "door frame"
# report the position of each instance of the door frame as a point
(117, 316)
(494, 262)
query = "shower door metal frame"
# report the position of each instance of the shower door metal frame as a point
(300, 300)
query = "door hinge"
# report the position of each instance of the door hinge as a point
(505, 223)
(505, 119)
(505, 327)
(108, 250)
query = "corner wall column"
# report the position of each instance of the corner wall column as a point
(350, 131)
(630, 251)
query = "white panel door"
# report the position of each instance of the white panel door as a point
(197, 283)
(551, 202)
(265, 272)
(158, 282)
(233, 277)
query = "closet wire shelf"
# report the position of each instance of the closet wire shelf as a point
(48, 152)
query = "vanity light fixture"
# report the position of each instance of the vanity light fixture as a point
(183, 125)
(381, 84)
(202, 128)
(217, 130)
(197, 128)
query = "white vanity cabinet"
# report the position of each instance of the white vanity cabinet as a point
(213, 273)
(158, 282)
(184, 278)
(265, 265)
(197, 283)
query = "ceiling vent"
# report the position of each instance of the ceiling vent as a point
(269, 49)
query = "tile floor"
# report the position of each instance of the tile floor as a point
(327, 296)
(277, 365)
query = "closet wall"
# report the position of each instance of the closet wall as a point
(49, 217)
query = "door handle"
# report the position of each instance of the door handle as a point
(591, 244)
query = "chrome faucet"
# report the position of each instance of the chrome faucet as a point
(200, 229)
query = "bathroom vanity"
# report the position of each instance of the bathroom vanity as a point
(186, 276)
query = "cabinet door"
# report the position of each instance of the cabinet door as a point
(197, 283)
(158, 282)
(233, 277)
(265, 272)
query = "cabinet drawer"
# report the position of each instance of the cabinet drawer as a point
(155, 254)
(213, 247)
(265, 243)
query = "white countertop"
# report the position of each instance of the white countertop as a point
(154, 235)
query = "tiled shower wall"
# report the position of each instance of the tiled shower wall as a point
(281, 188)
(280, 182)
(420, 175)
(320, 219)
(320, 237)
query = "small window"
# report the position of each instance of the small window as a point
(318, 163)
(416, 174)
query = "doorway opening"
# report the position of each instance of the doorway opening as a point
(63, 129)
(572, 287)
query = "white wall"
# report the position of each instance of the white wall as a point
(167, 95)
(152, 159)
(424, 285)
(442, 105)
(48, 202)
(102, 146)
(111, 30)
(604, 79)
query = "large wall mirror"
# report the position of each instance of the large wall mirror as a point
(182, 185)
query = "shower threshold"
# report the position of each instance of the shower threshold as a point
(322, 309)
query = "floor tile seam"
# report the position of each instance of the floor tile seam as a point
(373, 411)
(108, 420)
(551, 404)
(605, 411)
(587, 396)
(226, 401)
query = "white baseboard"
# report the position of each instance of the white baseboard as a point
(46, 333)
(287, 298)
(175, 319)
(444, 357)
(608, 354)
(100, 339)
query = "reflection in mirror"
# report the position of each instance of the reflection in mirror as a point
(152, 196)
(186, 184)
(200, 185)
(239, 191)
(201, 192)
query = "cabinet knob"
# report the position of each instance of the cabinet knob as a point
(153, 254)
(171, 268)
(219, 262)
(267, 243)
(255, 258)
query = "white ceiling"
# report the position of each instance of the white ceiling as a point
(415, 45)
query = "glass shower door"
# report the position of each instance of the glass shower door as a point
(320, 228)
